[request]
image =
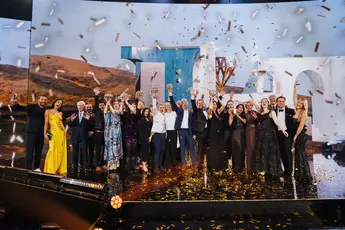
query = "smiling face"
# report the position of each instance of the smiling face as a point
(249, 106)
(88, 108)
(272, 99)
(239, 109)
(116, 104)
(42, 101)
(146, 112)
(168, 107)
(141, 105)
(230, 105)
(264, 103)
(57, 104)
(281, 102)
(200, 104)
(300, 104)
(81, 106)
(161, 108)
(184, 104)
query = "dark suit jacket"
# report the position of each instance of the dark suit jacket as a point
(98, 118)
(35, 123)
(290, 123)
(80, 130)
(179, 118)
(199, 118)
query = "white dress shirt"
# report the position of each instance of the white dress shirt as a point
(158, 125)
(184, 124)
(170, 119)
(281, 119)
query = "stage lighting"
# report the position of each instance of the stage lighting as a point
(116, 202)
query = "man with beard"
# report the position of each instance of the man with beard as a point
(34, 131)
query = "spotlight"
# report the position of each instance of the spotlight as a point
(116, 202)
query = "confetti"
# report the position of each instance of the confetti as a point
(8, 26)
(205, 16)
(32, 27)
(338, 101)
(39, 45)
(255, 13)
(326, 8)
(132, 11)
(19, 63)
(288, 73)
(320, 15)
(51, 12)
(37, 69)
(93, 19)
(117, 37)
(229, 26)
(219, 19)
(81, 36)
(50, 92)
(61, 71)
(46, 40)
(138, 36)
(329, 102)
(343, 19)
(87, 50)
(284, 32)
(20, 139)
(96, 80)
(299, 11)
(33, 97)
(308, 25)
(14, 127)
(83, 58)
(20, 24)
(310, 92)
(157, 45)
(166, 15)
(91, 29)
(195, 55)
(13, 138)
(337, 96)
(299, 39)
(21, 47)
(12, 118)
(316, 47)
(244, 49)
(100, 21)
(60, 20)
(91, 73)
(241, 30)
(319, 91)
(45, 24)
(13, 156)
(206, 6)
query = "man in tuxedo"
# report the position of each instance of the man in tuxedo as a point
(273, 101)
(34, 131)
(200, 125)
(285, 118)
(185, 126)
(91, 140)
(80, 124)
(98, 130)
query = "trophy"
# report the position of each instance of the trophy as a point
(108, 97)
(213, 93)
(139, 95)
(169, 87)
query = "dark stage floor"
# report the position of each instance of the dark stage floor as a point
(186, 184)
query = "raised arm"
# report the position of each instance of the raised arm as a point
(154, 106)
(221, 109)
(244, 121)
(295, 101)
(193, 96)
(273, 115)
(256, 105)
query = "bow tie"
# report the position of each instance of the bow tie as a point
(281, 110)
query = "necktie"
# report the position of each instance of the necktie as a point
(80, 116)
(281, 110)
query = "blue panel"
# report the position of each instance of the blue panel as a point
(126, 52)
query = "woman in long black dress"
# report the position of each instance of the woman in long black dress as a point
(229, 109)
(302, 169)
(250, 132)
(237, 122)
(145, 125)
(267, 155)
(215, 157)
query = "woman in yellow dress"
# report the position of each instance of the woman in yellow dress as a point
(56, 158)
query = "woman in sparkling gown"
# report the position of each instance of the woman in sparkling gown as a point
(215, 157)
(113, 151)
(237, 122)
(302, 169)
(56, 159)
(250, 132)
(267, 157)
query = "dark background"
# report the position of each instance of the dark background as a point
(22, 9)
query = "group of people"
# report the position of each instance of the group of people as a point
(125, 132)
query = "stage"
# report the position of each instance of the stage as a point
(186, 197)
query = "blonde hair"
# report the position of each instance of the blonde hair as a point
(304, 110)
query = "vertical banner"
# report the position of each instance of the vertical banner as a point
(152, 76)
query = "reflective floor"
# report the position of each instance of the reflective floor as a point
(191, 184)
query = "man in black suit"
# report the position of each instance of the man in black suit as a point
(185, 126)
(285, 118)
(80, 124)
(91, 139)
(98, 130)
(34, 131)
(200, 125)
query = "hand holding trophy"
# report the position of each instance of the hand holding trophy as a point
(139, 95)
(169, 88)
(154, 92)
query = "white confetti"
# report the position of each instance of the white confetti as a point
(100, 21)
(167, 14)
(37, 69)
(61, 71)
(96, 80)
(299, 11)
(308, 25)
(299, 39)
(205, 16)
(94, 57)
(127, 66)
(91, 73)
(51, 12)
(20, 139)
(91, 29)
(8, 26)
(255, 13)
(56, 75)
(219, 19)
(12, 118)
(14, 127)
(9, 108)
(46, 40)
(87, 50)
(39, 45)
(327, 61)
(13, 138)
(33, 97)
(20, 24)
(157, 45)
(19, 62)
(13, 156)
(284, 32)
(51, 92)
